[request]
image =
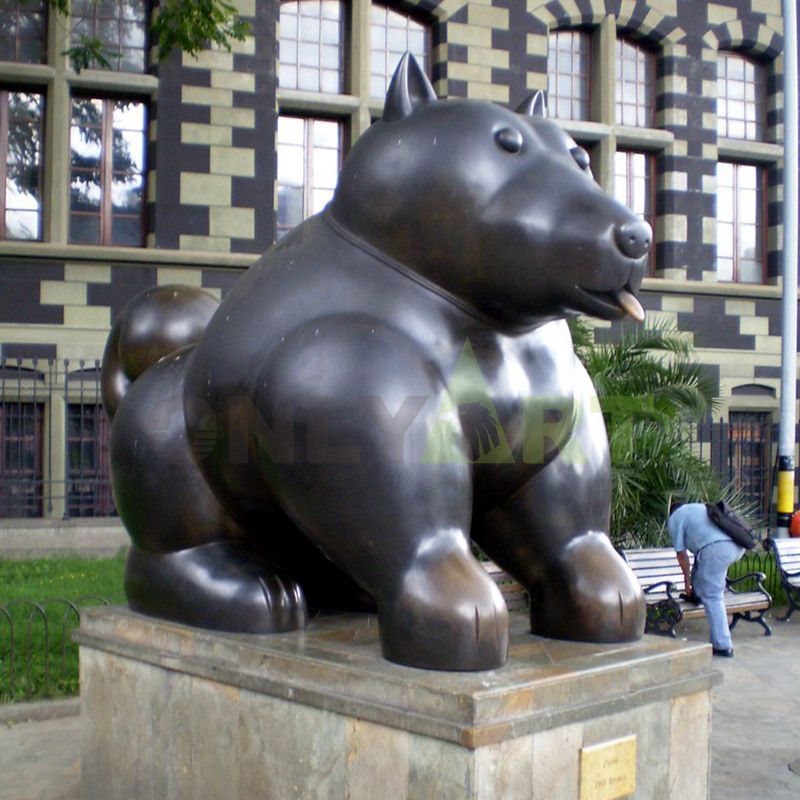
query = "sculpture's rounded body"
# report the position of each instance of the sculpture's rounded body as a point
(394, 379)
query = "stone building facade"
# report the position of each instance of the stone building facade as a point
(190, 151)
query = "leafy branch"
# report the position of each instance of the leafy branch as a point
(187, 25)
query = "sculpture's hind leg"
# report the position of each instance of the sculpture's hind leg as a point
(551, 535)
(190, 562)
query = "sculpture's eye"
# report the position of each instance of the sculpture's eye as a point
(510, 139)
(581, 158)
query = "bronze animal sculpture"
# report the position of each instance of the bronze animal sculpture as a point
(390, 381)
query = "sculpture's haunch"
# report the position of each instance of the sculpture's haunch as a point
(392, 380)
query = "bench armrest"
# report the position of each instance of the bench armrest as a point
(759, 578)
(669, 587)
(791, 574)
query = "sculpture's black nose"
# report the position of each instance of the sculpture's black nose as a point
(634, 238)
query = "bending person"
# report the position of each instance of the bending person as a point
(714, 551)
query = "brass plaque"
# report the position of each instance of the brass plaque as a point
(608, 770)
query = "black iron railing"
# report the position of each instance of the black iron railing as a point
(53, 440)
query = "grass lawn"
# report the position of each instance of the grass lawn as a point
(39, 601)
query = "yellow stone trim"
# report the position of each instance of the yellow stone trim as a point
(710, 151)
(487, 16)
(740, 308)
(765, 35)
(767, 344)
(235, 117)
(204, 243)
(487, 91)
(88, 273)
(537, 45)
(672, 228)
(200, 189)
(236, 223)
(203, 96)
(766, 7)
(245, 48)
(209, 59)
(536, 81)
(469, 72)
(59, 293)
(626, 11)
(232, 161)
(481, 56)
(677, 304)
(188, 277)
(572, 10)
(709, 230)
(675, 181)
(200, 133)
(675, 116)
(87, 317)
(717, 14)
(236, 81)
(246, 8)
(669, 8)
(458, 33)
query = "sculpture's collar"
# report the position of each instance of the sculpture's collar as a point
(408, 272)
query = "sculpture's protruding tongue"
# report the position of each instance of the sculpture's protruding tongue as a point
(629, 304)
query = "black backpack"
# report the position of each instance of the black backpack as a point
(727, 520)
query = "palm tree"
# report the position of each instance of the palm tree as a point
(651, 391)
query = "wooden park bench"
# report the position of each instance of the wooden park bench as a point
(787, 557)
(512, 590)
(661, 578)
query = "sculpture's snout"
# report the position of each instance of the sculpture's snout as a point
(634, 238)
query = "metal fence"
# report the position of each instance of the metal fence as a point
(53, 440)
(743, 451)
(38, 658)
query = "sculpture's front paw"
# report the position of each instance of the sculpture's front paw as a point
(589, 594)
(448, 614)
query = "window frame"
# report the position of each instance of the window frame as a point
(427, 34)
(308, 165)
(761, 227)
(106, 214)
(5, 91)
(650, 181)
(115, 58)
(649, 85)
(97, 502)
(26, 504)
(45, 13)
(553, 74)
(760, 100)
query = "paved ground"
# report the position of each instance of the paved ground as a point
(755, 735)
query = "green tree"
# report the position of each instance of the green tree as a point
(187, 25)
(651, 391)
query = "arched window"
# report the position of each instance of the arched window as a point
(391, 35)
(569, 71)
(741, 87)
(634, 90)
(310, 51)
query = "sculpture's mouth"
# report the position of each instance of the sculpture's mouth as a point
(612, 304)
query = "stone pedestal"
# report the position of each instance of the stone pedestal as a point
(174, 712)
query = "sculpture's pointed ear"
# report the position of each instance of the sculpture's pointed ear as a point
(409, 89)
(534, 106)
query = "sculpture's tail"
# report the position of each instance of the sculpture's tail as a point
(152, 325)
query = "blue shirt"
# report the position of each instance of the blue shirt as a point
(691, 529)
